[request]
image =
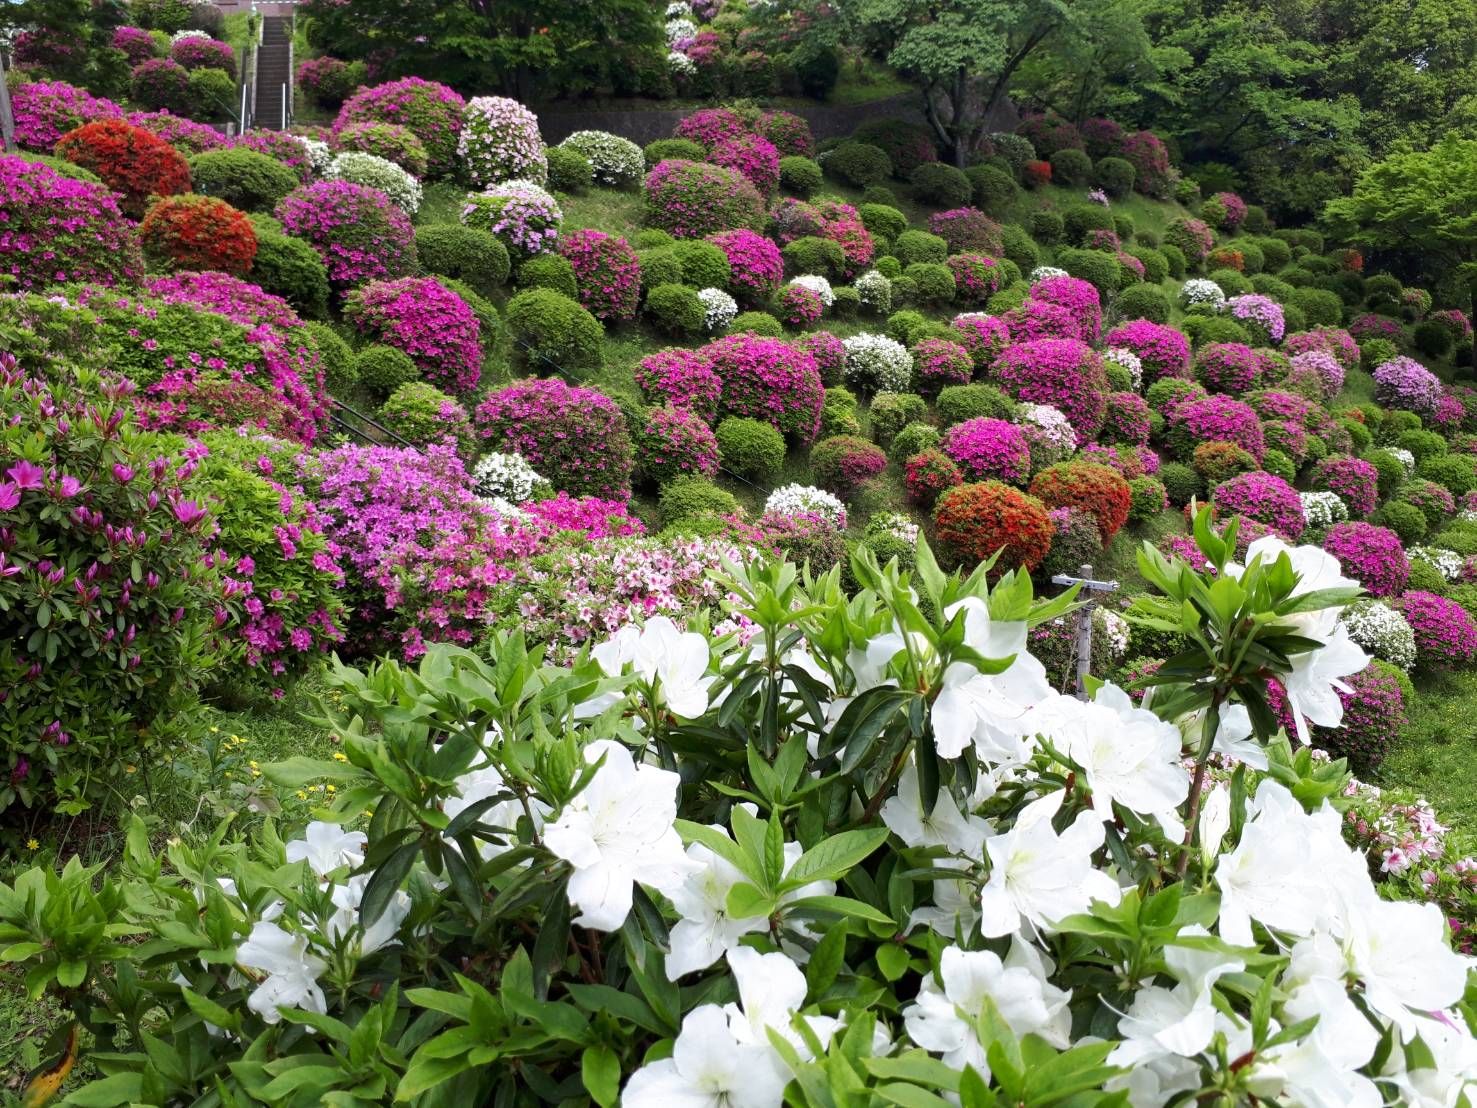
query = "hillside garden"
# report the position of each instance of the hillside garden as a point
(664, 695)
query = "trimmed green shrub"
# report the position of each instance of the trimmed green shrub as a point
(846, 302)
(1458, 472)
(554, 332)
(1231, 282)
(1252, 259)
(1097, 267)
(811, 254)
(858, 164)
(1115, 176)
(704, 264)
(993, 190)
(1019, 248)
(907, 327)
(648, 238)
(334, 355)
(958, 403)
(383, 369)
(423, 414)
(1047, 227)
(290, 268)
(569, 170)
(1406, 520)
(913, 439)
(1144, 302)
(1276, 253)
(1070, 167)
(1156, 266)
(1432, 339)
(675, 148)
(659, 266)
(892, 411)
(1321, 307)
(800, 175)
(883, 220)
(466, 253)
(941, 185)
(549, 271)
(675, 310)
(760, 323)
(242, 178)
(1205, 329)
(920, 246)
(686, 498)
(750, 448)
(1175, 257)
(1181, 482)
(1082, 219)
(936, 284)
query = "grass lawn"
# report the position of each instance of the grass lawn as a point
(1437, 755)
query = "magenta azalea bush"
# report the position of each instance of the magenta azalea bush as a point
(710, 126)
(432, 112)
(751, 155)
(1078, 297)
(279, 146)
(983, 336)
(694, 199)
(1038, 319)
(575, 438)
(977, 277)
(1163, 351)
(54, 229)
(185, 135)
(938, 363)
(967, 231)
(1216, 419)
(682, 378)
(1371, 555)
(606, 272)
(1330, 340)
(1404, 383)
(989, 450)
(799, 307)
(755, 263)
(1264, 498)
(769, 380)
(1354, 480)
(427, 321)
(1064, 373)
(1445, 635)
(199, 52)
(358, 232)
(1126, 419)
(829, 353)
(1229, 367)
(675, 442)
(136, 43)
(46, 110)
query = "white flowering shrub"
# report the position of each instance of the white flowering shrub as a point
(379, 173)
(796, 500)
(719, 309)
(180, 36)
(1381, 631)
(678, 9)
(1046, 272)
(874, 289)
(616, 161)
(818, 285)
(877, 363)
(1405, 457)
(1323, 509)
(680, 64)
(1112, 629)
(507, 477)
(1197, 290)
(1049, 433)
(500, 141)
(681, 29)
(895, 524)
(320, 154)
(866, 857)
(1446, 562)
(1129, 361)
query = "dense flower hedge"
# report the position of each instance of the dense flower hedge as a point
(575, 438)
(426, 320)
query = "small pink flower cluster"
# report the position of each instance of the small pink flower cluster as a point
(1400, 836)
(1126, 419)
(1164, 351)
(606, 271)
(770, 380)
(1232, 207)
(1318, 367)
(977, 277)
(54, 229)
(431, 111)
(752, 155)
(197, 52)
(755, 262)
(46, 110)
(1216, 419)
(360, 234)
(1064, 373)
(710, 126)
(799, 307)
(1229, 367)
(984, 336)
(938, 363)
(1331, 340)
(967, 230)
(1369, 325)
(576, 438)
(1445, 635)
(829, 353)
(675, 442)
(1078, 297)
(185, 135)
(989, 450)
(520, 213)
(1264, 498)
(588, 515)
(1371, 555)
(135, 42)
(430, 323)
(841, 223)
(682, 378)
(280, 147)
(1353, 479)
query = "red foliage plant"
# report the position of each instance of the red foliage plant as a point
(973, 521)
(199, 232)
(1100, 491)
(134, 163)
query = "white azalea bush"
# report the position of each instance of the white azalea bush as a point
(1129, 361)
(874, 289)
(1446, 562)
(1046, 273)
(877, 363)
(719, 309)
(1322, 509)
(1381, 631)
(866, 858)
(617, 162)
(805, 500)
(818, 285)
(507, 477)
(375, 172)
(1198, 290)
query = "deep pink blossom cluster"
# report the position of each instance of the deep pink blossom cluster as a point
(1263, 497)
(1371, 555)
(799, 307)
(1038, 319)
(358, 231)
(1286, 406)
(54, 229)
(606, 272)
(1355, 480)
(1229, 367)
(280, 147)
(199, 52)
(591, 516)
(710, 126)
(1126, 419)
(1331, 340)
(938, 363)
(1447, 416)
(675, 442)
(1445, 635)
(576, 438)
(1079, 297)
(770, 380)
(1232, 207)
(46, 110)
(752, 155)
(755, 262)
(984, 336)
(185, 135)
(683, 378)
(432, 112)
(427, 321)
(1404, 383)
(1216, 419)
(136, 43)
(1164, 351)
(841, 223)
(989, 450)
(1369, 325)
(1064, 373)
(977, 277)
(829, 353)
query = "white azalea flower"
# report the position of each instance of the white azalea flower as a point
(675, 661)
(706, 931)
(945, 826)
(617, 832)
(1038, 876)
(1398, 949)
(1178, 1021)
(1315, 682)
(292, 973)
(347, 897)
(479, 785)
(327, 847)
(771, 990)
(709, 1068)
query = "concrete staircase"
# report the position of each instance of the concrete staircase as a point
(273, 70)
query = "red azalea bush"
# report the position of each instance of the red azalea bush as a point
(1064, 373)
(989, 450)
(755, 262)
(682, 378)
(927, 474)
(54, 229)
(358, 231)
(977, 277)
(1126, 419)
(751, 155)
(940, 362)
(770, 380)
(1371, 555)
(1353, 479)
(130, 161)
(675, 442)
(606, 273)
(1229, 367)
(842, 463)
(983, 336)
(1095, 489)
(575, 438)
(199, 232)
(1264, 498)
(974, 521)
(967, 231)
(695, 199)
(1163, 351)
(1215, 419)
(426, 320)
(432, 112)
(46, 110)
(1037, 173)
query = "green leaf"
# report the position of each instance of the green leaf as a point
(839, 905)
(831, 858)
(892, 960)
(601, 1071)
(110, 1092)
(747, 902)
(382, 886)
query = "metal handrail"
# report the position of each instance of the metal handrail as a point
(337, 406)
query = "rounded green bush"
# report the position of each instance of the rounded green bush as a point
(892, 411)
(1424, 577)
(1083, 219)
(758, 323)
(549, 271)
(913, 439)
(800, 176)
(212, 94)
(810, 254)
(994, 190)
(1071, 168)
(334, 355)
(1406, 520)
(1397, 421)
(920, 246)
(1147, 497)
(941, 185)
(1048, 227)
(1321, 307)
(883, 220)
(1097, 267)
(750, 448)
(1374, 352)
(423, 414)
(690, 498)
(1458, 472)
(858, 164)
(1389, 469)
(1204, 329)
(1156, 266)
(908, 326)
(554, 332)
(1231, 282)
(1115, 176)
(958, 403)
(1279, 464)
(1019, 248)
(1432, 339)
(704, 264)
(846, 302)
(659, 266)
(1253, 260)
(648, 238)
(936, 284)
(1144, 302)
(1421, 443)
(888, 266)
(1175, 257)
(681, 149)
(1276, 254)
(384, 369)
(569, 170)
(879, 194)
(1181, 482)
(242, 178)
(290, 268)
(904, 291)
(675, 310)
(466, 253)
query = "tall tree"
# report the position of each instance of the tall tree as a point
(1421, 203)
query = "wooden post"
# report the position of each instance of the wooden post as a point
(7, 117)
(1089, 589)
